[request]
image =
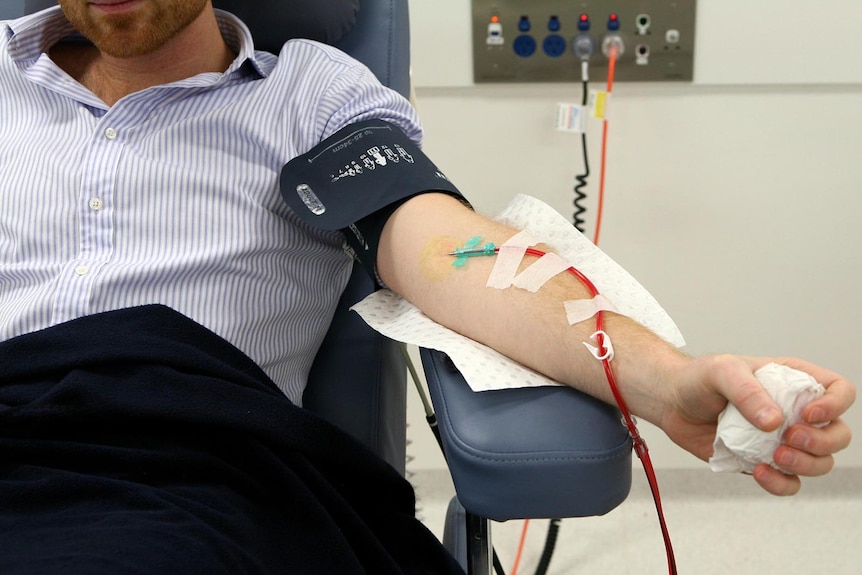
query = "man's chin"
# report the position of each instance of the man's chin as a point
(120, 50)
(126, 41)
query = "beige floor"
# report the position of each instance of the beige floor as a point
(718, 524)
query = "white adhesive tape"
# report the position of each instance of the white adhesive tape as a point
(632, 299)
(509, 259)
(538, 274)
(579, 310)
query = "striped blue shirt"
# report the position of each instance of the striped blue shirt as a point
(171, 195)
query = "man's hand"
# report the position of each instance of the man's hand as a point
(709, 382)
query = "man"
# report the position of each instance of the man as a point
(163, 85)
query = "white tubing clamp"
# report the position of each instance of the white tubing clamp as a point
(609, 347)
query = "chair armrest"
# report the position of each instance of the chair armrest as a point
(548, 452)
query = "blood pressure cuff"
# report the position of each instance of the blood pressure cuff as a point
(355, 179)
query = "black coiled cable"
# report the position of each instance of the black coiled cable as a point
(580, 195)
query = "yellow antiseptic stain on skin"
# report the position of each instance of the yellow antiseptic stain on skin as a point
(434, 262)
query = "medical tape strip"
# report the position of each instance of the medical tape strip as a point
(509, 259)
(538, 274)
(583, 309)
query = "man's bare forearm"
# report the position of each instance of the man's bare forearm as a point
(531, 328)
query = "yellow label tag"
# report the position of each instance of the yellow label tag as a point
(598, 104)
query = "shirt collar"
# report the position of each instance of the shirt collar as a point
(238, 38)
(33, 35)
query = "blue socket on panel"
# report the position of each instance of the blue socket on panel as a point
(546, 40)
(554, 45)
(524, 46)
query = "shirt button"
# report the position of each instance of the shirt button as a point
(82, 270)
(95, 204)
(111, 134)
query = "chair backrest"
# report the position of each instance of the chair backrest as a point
(358, 381)
(10, 9)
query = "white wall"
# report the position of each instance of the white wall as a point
(738, 206)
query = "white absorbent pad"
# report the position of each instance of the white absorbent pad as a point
(484, 368)
(739, 445)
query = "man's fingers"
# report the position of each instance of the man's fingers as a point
(819, 441)
(776, 482)
(840, 395)
(802, 463)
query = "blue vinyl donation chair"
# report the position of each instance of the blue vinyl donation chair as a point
(512, 454)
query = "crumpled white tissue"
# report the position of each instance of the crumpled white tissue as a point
(482, 367)
(739, 445)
